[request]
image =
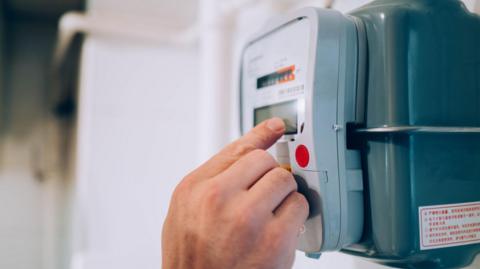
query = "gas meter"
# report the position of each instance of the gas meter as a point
(382, 115)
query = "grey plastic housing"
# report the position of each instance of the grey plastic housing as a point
(332, 181)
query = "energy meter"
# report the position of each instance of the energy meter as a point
(382, 115)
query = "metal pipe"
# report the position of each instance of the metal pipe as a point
(216, 91)
(74, 23)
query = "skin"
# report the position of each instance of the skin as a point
(237, 210)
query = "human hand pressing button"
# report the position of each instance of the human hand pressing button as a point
(237, 210)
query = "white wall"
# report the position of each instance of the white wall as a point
(138, 136)
(138, 116)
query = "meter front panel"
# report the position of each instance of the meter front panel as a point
(275, 83)
(274, 77)
(303, 70)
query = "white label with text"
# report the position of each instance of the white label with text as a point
(450, 225)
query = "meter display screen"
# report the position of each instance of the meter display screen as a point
(288, 111)
(280, 76)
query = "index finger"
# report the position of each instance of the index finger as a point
(263, 136)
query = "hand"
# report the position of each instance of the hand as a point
(238, 210)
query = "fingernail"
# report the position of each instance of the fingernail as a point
(276, 124)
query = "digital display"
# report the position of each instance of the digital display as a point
(288, 111)
(280, 76)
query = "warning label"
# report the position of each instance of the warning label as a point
(449, 225)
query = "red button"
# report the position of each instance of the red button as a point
(302, 156)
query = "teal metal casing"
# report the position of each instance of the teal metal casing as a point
(423, 71)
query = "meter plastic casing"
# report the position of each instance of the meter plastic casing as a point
(325, 89)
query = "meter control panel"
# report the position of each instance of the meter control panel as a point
(305, 69)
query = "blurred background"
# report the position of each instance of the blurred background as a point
(105, 106)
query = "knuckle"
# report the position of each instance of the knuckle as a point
(181, 189)
(240, 149)
(285, 178)
(213, 194)
(300, 201)
(260, 135)
(245, 220)
(263, 156)
(281, 172)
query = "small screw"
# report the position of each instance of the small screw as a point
(337, 127)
